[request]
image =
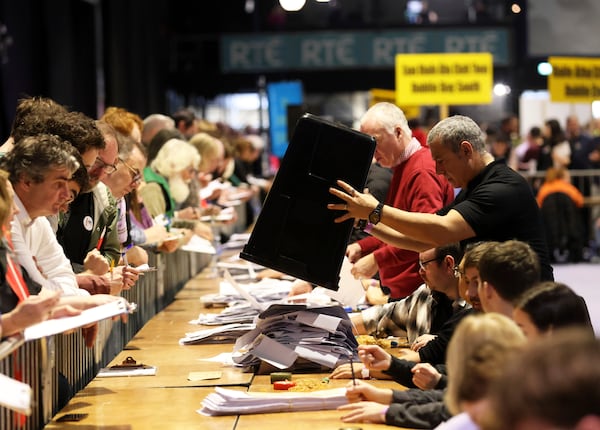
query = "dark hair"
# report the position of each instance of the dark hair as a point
(511, 267)
(159, 139)
(453, 249)
(31, 115)
(556, 132)
(36, 155)
(75, 127)
(186, 115)
(535, 131)
(552, 305)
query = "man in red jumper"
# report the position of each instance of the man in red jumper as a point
(414, 187)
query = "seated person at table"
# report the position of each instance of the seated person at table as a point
(166, 186)
(552, 384)
(550, 306)
(424, 311)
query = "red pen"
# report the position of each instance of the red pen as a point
(101, 240)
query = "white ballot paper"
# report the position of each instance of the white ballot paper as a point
(351, 291)
(231, 402)
(15, 395)
(200, 245)
(88, 316)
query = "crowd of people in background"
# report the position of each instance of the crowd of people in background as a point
(83, 200)
(456, 245)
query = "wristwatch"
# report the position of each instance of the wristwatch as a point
(375, 216)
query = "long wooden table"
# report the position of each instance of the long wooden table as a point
(169, 400)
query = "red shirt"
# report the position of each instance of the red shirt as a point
(415, 187)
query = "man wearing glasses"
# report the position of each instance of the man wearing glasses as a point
(121, 182)
(88, 231)
(424, 311)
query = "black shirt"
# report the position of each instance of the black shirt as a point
(499, 205)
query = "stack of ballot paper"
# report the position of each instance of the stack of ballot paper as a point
(232, 402)
(287, 336)
(244, 301)
(223, 334)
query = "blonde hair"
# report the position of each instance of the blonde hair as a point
(476, 352)
(174, 157)
(208, 147)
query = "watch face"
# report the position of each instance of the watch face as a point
(375, 216)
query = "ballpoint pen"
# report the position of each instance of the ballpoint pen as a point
(352, 370)
(101, 239)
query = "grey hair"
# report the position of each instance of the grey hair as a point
(34, 156)
(388, 116)
(453, 130)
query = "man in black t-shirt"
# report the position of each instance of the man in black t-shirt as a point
(495, 202)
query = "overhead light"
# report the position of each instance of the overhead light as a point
(322, 1)
(544, 68)
(292, 5)
(501, 90)
(515, 8)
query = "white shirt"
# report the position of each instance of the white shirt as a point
(36, 238)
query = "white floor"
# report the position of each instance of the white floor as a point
(584, 278)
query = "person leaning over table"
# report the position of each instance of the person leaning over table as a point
(495, 202)
(414, 187)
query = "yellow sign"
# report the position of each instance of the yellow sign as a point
(382, 95)
(456, 79)
(574, 80)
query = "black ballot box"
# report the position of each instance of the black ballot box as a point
(295, 233)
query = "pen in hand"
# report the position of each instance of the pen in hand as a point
(101, 239)
(352, 370)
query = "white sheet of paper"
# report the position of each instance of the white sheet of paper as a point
(326, 322)
(107, 372)
(326, 359)
(273, 352)
(88, 316)
(351, 291)
(15, 395)
(200, 245)
(245, 294)
(223, 358)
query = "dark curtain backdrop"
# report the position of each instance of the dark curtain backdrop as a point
(54, 54)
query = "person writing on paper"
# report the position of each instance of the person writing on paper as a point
(89, 230)
(20, 306)
(414, 187)
(39, 170)
(495, 202)
(434, 308)
(108, 283)
(167, 178)
(475, 354)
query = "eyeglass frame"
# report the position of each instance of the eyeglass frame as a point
(108, 168)
(137, 174)
(422, 264)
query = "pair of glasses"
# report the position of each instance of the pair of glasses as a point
(101, 164)
(136, 175)
(423, 264)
